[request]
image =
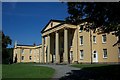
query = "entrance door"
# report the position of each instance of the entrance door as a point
(95, 56)
(71, 56)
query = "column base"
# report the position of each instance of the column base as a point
(65, 62)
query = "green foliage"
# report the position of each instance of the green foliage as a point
(6, 52)
(7, 56)
(26, 71)
(5, 41)
(105, 16)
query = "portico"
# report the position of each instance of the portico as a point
(56, 43)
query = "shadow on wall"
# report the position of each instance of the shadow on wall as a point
(110, 72)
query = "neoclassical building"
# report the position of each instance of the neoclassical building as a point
(67, 43)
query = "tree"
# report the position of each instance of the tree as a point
(6, 52)
(105, 16)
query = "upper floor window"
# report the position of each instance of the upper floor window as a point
(81, 40)
(44, 40)
(81, 54)
(105, 53)
(22, 57)
(51, 24)
(94, 39)
(119, 52)
(30, 51)
(104, 38)
(22, 51)
(81, 28)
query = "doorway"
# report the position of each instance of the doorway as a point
(95, 56)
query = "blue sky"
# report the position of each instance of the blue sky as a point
(23, 21)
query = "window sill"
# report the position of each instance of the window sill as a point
(104, 57)
(103, 42)
(94, 43)
(81, 44)
(81, 58)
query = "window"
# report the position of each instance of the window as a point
(81, 40)
(51, 24)
(104, 39)
(119, 52)
(81, 54)
(104, 53)
(30, 51)
(22, 57)
(22, 51)
(81, 28)
(30, 57)
(94, 39)
(44, 40)
(71, 55)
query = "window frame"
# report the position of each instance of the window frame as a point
(81, 53)
(103, 36)
(94, 37)
(22, 51)
(30, 51)
(105, 53)
(81, 29)
(81, 40)
(119, 52)
(30, 57)
(22, 58)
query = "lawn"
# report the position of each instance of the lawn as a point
(26, 72)
(0, 71)
(94, 72)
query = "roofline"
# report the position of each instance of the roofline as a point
(27, 45)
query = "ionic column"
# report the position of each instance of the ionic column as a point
(57, 47)
(65, 46)
(48, 51)
(43, 50)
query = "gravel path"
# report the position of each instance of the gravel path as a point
(60, 70)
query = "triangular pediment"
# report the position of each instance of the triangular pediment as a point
(51, 24)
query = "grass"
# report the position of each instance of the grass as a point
(0, 71)
(26, 71)
(94, 72)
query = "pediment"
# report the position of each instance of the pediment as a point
(51, 24)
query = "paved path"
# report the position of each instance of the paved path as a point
(60, 70)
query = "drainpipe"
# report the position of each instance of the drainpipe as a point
(77, 46)
(91, 45)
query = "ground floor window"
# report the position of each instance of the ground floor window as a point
(22, 57)
(105, 53)
(81, 54)
(119, 52)
(30, 57)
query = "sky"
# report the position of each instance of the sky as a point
(23, 21)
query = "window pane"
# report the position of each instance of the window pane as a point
(81, 28)
(22, 51)
(81, 54)
(30, 50)
(104, 38)
(22, 57)
(30, 57)
(105, 53)
(81, 40)
(94, 39)
(119, 52)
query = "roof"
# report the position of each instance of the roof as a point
(49, 23)
(25, 45)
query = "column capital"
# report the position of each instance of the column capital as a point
(56, 31)
(66, 28)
